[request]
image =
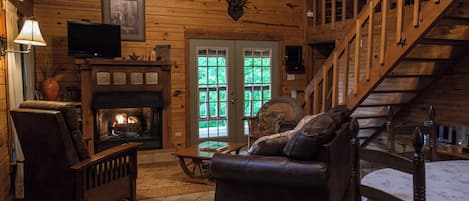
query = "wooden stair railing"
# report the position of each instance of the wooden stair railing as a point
(362, 71)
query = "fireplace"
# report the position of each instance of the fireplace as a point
(127, 117)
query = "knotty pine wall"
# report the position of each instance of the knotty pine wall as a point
(167, 22)
(4, 137)
(449, 96)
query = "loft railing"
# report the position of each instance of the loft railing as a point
(325, 12)
(330, 12)
(360, 60)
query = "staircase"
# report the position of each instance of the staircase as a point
(393, 53)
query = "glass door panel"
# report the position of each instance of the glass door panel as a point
(212, 92)
(257, 80)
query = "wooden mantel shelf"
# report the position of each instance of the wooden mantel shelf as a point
(89, 62)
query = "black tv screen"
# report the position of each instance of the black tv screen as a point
(87, 40)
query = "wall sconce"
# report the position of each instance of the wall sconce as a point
(29, 35)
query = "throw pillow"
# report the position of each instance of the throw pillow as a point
(305, 144)
(270, 145)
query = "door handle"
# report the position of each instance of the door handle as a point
(232, 98)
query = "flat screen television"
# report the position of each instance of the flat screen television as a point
(87, 40)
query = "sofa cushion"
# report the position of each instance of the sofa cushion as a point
(269, 169)
(80, 145)
(270, 145)
(305, 144)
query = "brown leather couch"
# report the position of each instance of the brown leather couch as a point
(283, 178)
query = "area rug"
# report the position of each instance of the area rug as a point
(161, 180)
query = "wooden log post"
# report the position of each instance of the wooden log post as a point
(355, 143)
(418, 166)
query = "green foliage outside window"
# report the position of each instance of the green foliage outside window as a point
(212, 81)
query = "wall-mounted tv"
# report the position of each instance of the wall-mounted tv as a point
(87, 40)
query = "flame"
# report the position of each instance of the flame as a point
(121, 118)
(132, 120)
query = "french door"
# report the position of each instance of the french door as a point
(229, 80)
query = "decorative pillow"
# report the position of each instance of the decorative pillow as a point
(305, 144)
(269, 121)
(270, 145)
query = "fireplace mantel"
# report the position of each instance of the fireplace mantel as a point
(107, 75)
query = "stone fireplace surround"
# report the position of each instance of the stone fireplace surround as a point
(103, 76)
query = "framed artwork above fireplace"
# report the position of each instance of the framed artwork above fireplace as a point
(130, 14)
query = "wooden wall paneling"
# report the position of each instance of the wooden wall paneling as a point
(166, 22)
(5, 140)
(25, 7)
(448, 96)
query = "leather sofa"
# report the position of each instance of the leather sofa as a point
(325, 176)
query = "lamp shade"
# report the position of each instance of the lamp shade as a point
(30, 34)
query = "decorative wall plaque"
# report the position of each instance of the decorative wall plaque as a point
(151, 78)
(136, 78)
(118, 78)
(103, 78)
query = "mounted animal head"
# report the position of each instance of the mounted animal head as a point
(236, 8)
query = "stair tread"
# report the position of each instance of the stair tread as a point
(371, 127)
(396, 91)
(381, 104)
(409, 75)
(442, 41)
(370, 116)
(455, 20)
(417, 59)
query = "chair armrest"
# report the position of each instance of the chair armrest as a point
(268, 169)
(105, 155)
(106, 167)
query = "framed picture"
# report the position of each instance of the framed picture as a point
(130, 14)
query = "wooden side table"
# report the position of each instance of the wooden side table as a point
(448, 151)
(452, 151)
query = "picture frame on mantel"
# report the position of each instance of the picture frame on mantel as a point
(130, 14)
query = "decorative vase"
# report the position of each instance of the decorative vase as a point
(50, 88)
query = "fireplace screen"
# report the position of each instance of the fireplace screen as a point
(125, 123)
(125, 117)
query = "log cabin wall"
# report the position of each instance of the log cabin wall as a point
(166, 22)
(5, 194)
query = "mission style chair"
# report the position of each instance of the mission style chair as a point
(57, 165)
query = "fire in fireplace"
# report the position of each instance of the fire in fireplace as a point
(128, 117)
